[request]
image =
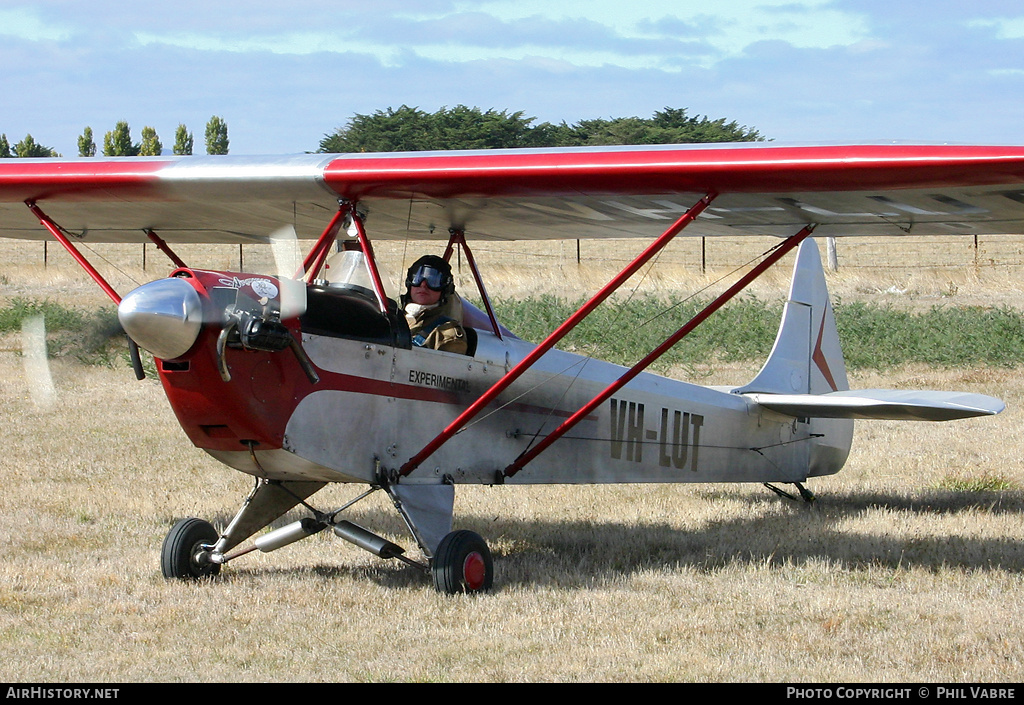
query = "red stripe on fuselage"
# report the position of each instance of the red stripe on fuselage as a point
(219, 415)
(334, 381)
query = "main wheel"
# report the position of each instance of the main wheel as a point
(182, 546)
(462, 564)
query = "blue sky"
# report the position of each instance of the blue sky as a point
(283, 74)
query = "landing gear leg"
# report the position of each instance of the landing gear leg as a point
(186, 549)
(805, 493)
(462, 563)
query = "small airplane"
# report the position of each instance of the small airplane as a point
(310, 377)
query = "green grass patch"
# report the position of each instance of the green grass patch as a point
(985, 482)
(92, 337)
(880, 337)
(873, 336)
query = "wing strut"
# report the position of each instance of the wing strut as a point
(780, 251)
(371, 261)
(317, 256)
(165, 248)
(458, 237)
(560, 332)
(58, 233)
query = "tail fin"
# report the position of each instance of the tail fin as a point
(807, 357)
(805, 377)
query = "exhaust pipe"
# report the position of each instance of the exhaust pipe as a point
(367, 540)
(279, 538)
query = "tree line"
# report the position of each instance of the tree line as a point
(118, 142)
(408, 129)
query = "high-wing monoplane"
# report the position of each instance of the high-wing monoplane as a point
(311, 377)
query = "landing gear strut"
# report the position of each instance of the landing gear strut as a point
(805, 493)
(461, 563)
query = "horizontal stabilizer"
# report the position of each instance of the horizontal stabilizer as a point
(882, 404)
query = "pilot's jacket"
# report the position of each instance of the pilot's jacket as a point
(438, 327)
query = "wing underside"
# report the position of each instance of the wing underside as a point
(527, 194)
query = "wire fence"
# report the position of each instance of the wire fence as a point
(984, 252)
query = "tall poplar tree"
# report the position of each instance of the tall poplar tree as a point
(151, 145)
(216, 136)
(183, 140)
(86, 144)
(118, 142)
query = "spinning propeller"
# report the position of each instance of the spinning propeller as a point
(36, 362)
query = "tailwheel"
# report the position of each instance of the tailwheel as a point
(183, 556)
(462, 563)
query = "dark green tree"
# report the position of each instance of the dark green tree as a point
(151, 145)
(472, 128)
(668, 126)
(408, 129)
(5, 147)
(28, 147)
(405, 129)
(183, 140)
(118, 142)
(412, 129)
(216, 136)
(86, 144)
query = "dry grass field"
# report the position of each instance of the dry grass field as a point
(908, 568)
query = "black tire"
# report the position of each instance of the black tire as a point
(462, 563)
(182, 543)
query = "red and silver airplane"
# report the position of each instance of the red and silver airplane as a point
(311, 377)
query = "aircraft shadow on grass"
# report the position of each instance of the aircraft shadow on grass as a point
(580, 554)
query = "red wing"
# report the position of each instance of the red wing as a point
(583, 193)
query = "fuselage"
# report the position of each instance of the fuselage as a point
(379, 400)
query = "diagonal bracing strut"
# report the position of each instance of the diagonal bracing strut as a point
(58, 234)
(632, 372)
(527, 362)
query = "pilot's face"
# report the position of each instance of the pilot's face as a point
(423, 295)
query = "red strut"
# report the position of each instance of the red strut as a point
(559, 333)
(632, 372)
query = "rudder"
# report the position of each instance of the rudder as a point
(807, 357)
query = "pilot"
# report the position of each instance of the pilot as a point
(432, 308)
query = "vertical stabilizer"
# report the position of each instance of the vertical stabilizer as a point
(806, 357)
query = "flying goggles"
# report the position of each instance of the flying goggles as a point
(431, 276)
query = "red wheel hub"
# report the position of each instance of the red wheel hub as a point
(474, 571)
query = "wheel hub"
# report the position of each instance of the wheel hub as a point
(474, 571)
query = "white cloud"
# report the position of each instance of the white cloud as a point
(658, 34)
(1005, 28)
(27, 23)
